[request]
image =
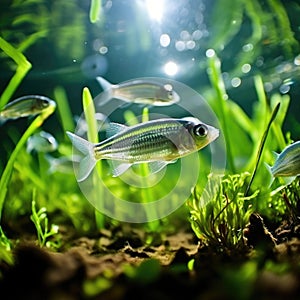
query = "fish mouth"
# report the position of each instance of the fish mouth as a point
(176, 97)
(214, 133)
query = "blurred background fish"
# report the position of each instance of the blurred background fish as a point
(41, 142)
(287, 163)
(142, 91)
(82, 126)
(25, 106)
(63, 164)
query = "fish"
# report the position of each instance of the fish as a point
(140, 91)
(41, 142)
(156, 142)
(63, 164)
(287, 163)
(25, 106)
(82, 126)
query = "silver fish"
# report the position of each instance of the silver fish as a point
(140, 91)
(82, 127)
(41, 142)
(63, 164)
(26, 106)
(157, 142)
(287, 163)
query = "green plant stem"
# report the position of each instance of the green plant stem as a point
(146, 192)
(261, 147)
(92, 134)
(95, 10)
(216, 80)
(36, 123)
(64, 111)
(23, 67)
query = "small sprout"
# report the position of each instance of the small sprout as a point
(40, 220)
(5, 249)
(191, 264)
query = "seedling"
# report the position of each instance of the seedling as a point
(40, 220)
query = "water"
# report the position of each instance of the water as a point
(155, 38)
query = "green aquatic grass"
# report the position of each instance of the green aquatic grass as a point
(95, 10)
(146, 193)
(41, 223)
(261, 147)
(5, 250)
(215, 76)
(244, 22)
(5, 177)
(23, 66)
(219, 215)
(63, 108)
(92, 134)
(243, 133)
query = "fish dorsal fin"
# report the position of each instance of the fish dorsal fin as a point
(156, 166)
(106, 85)
(114, 128)
(275, 154)
(119, 167)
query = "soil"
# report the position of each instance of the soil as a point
(117, 264)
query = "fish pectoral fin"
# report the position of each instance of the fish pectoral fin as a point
(271, 180)
(119, 167)
(114, 128)
(156, 166)
(288, 180)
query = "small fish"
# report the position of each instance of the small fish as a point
(62, 164)
(41, 142)
(139, 91)
(26, 106)
(157, 142)
(82, 127)
(287, 163)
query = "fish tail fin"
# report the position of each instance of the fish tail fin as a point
(269, 168)
(107, 93)
(88, 162)
(106, 85)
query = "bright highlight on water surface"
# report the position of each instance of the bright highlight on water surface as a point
(155, 9)
(171, 68)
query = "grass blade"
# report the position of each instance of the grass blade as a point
(23, 67)
(37, 122)
(261, 146)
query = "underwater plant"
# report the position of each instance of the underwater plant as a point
(222, 211)
(92, 135)
(245, 131)
(23, 66)
(40, 220)
(244, 22)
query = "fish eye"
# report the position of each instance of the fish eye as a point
(45, 103)
(200, 130)
(170, 94)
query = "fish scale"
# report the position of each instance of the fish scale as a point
(148, 142)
